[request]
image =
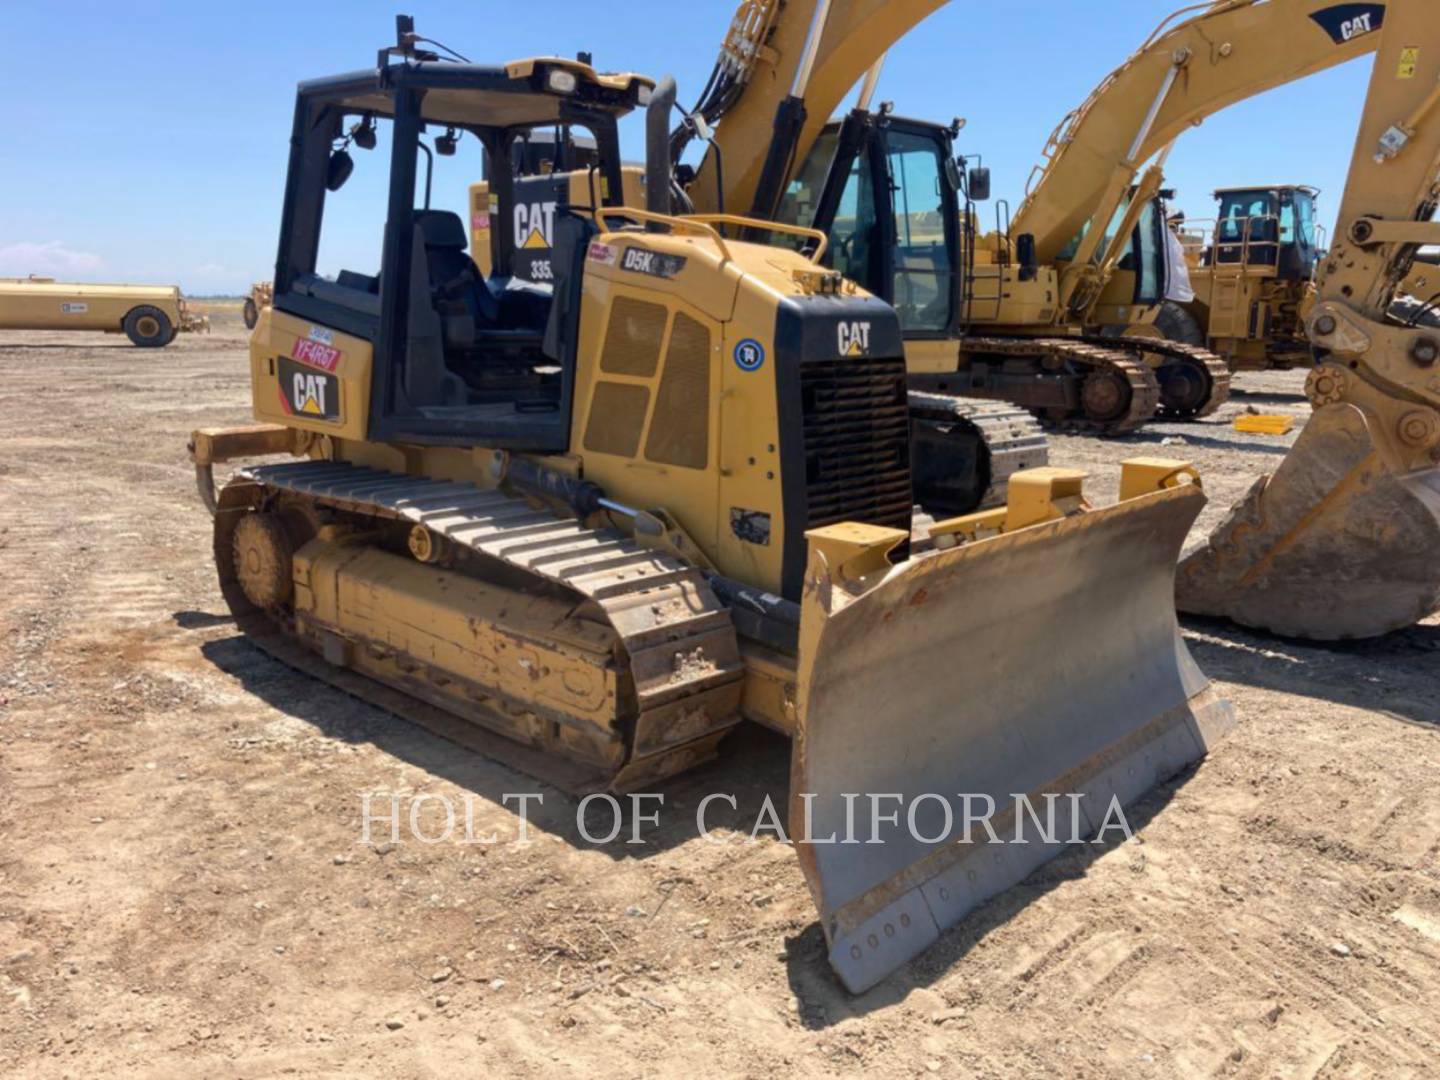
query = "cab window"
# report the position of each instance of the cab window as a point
(853, 235)
(923, 282)
(1305, 219)
(797, 205)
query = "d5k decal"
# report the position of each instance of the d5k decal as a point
(654, 263)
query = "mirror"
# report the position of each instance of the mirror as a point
(979, 185)
(338, 170)
(364, 133)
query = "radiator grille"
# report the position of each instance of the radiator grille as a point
(857, 442)
(632, 340)
(680, 426)
(617, 416)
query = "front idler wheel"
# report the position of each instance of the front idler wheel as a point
(1184, 389)
(263, 560)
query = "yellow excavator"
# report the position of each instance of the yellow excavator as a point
(589, 527)
(982, 317)
(1252, 276)
(1081, 269)
(1340, 541)
(1337, 543)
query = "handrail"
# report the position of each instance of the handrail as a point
(821, 240)
(1203, 234)
(1247, 242)
(704, 225)
(1167, 24)
(691, 224)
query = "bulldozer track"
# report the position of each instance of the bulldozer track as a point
(1144, 388)
(1010, 435)
(1214, 367)
(677, 646)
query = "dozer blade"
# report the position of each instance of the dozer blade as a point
(1333, 545)
(1046, 660)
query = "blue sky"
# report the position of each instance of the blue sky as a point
(148, 143)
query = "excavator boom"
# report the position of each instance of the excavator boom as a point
(1184, 72)
(784, 69)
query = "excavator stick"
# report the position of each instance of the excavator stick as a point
(1334, 545)
(962, 679)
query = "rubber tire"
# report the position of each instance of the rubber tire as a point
(162, 336)
(250, 313)
(1177, 324)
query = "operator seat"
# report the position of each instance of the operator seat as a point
(466, 305)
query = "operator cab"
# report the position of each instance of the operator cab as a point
(1147, 256)
(898, 205)
(886, 191)
(459, 356)
(1267, 226)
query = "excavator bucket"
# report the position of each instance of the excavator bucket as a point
(1041, 662)
(1334, 545)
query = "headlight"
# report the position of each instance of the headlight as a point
(642, 96)
(561, 81)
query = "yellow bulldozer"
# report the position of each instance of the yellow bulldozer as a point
(590, 528)
(1252, 269)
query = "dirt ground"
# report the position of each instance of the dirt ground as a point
(184, 890)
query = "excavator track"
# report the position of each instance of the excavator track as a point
(1206, 385)
(1000, 439)
(1123, 387)
(640, 622)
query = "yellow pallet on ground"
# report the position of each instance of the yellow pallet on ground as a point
(1265, 424)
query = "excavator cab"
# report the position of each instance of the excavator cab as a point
(1266, 226)
(900, 210)
(548, 167)
(885, 190)
(1141, 274)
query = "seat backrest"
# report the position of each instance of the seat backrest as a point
(451, 268)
